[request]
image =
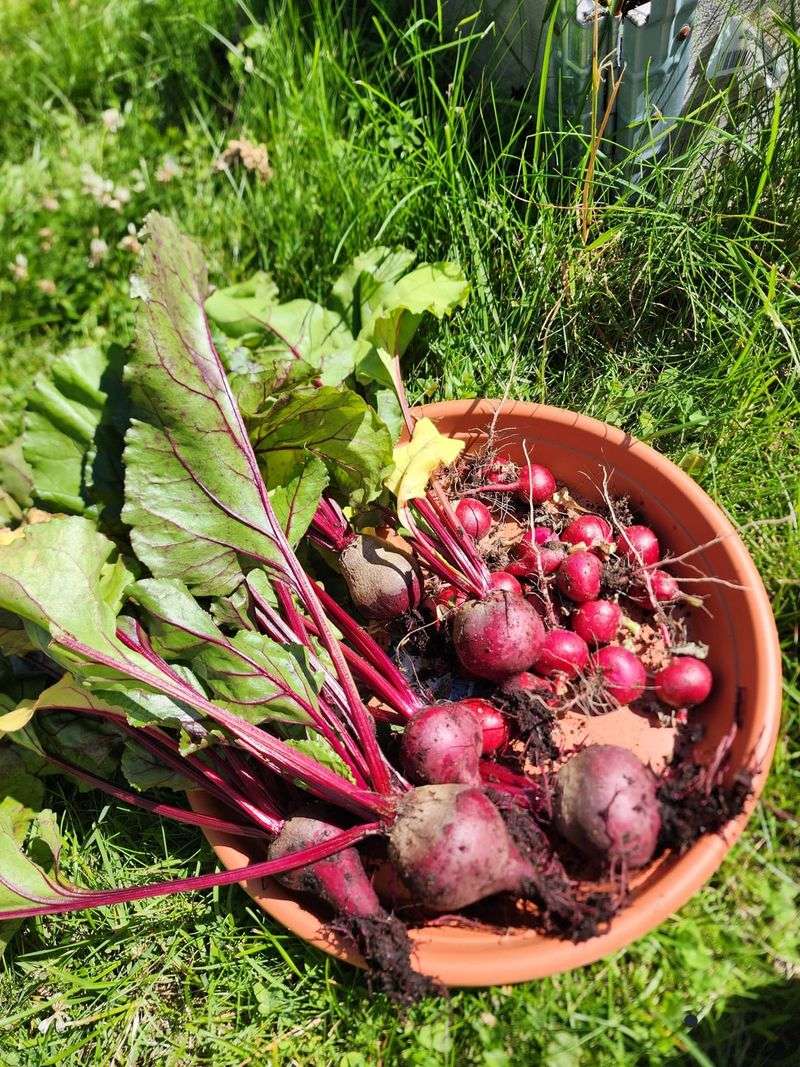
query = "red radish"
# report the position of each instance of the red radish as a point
(589, 530)
(474, 516)
(606, 805)
(579, 576)
(537, 551)
(450, 845)
(506, 582)
(442, 744)
(684, 682)
(624, 675)
(563, 652)
(497, 636)
(383, 582)
(527, 682)
(535, 483)
(493, 723)
(665, 589)
(597, 621)
(640, 545)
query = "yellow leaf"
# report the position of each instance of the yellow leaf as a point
(415, 462)
(65, 693)
(8, 536)
(19, 717)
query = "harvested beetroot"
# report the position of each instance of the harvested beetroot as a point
(624, 676)
(562, 652)
(588, 530)
(494, 727)
(383, 582)
(605, 804)
(450, 845)
(640, 545)
(342, 882)
(497, 636)
(474, 516)
(685, 681)
(442, 744)
(597, 621)
(534, 484)
(579, 576)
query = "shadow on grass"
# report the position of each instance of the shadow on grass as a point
(756, 1029)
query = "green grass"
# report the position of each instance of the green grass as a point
(678, 320)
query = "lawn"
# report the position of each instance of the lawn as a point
(670, 308)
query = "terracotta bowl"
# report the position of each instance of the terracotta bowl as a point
(744, 658)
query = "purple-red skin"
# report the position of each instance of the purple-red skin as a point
(537, 551)
(383, 582)
(597, 621)
(536, 483)
(451, 847)
(665, 589)
(606, 805)
(684, 682)
(442, 744)
(494, 728)
(579, 577)
(527, 682)
(474, 516)
(497, 636)
(505, 581)
(562, 652)
(624, 676)
(589, 530)
(340, 880)
(639, 544)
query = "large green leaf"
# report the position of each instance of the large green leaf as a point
(251, 675)
(16, 476)
(52, 579)
(74, 427)
(193, 498)
(296, 496)
(241, 309)
(21, 799)
(361, 288)
(435, 288)
(337, 427)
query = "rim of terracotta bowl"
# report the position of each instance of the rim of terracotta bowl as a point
(480, 957)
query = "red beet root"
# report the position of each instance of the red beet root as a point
(442, 744)
(506, 582)
(684, 682)
(640, 545)
(597, 621)
(497, 636)
(579, 576)
(590, 530)
(451, 847)
(493, 723)
(563, 652)
(606, 805)
(624, 675)
(474, 516)
(384, 583)
(448, 597)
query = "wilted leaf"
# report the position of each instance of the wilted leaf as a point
(415, 462)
